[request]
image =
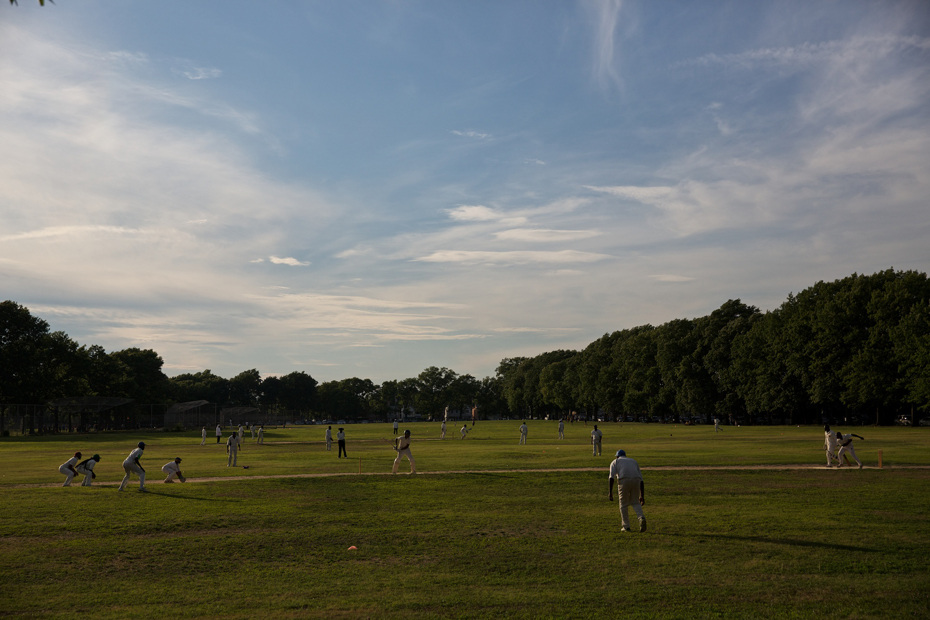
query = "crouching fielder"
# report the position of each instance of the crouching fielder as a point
(402, 445)
(629, 483)
(173, 469)
(132, 466)
(87, 469)
(67, 468)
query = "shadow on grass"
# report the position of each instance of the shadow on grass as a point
(199, 499)
(784, 541)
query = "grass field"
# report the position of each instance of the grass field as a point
(515, 531)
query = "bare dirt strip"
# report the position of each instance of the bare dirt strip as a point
(133, 484)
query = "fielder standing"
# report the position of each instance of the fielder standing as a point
(596, 437)
(442, 430)
(203, 435)
(402, 446)
(341, 440)
(132, 466)
(219, 433)
(87, 469)
(232, 449)
(561, 428)
(629, 482)
(329, 438)
(523, 430)
(173, 469)
(829, 444)
(261, 434)
(67, 468)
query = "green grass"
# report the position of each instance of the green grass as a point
(721, 543)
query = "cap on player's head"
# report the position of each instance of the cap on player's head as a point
(407, 433)
(142, 445)
(826, 428)
(839, 434)
(77, 454)
(177, 459)
(96, 457)
(340, 428)
(621, 453)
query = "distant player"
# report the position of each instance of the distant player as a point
(67, 468)
(464, 430)
(341, 441)
(596, 437)
(716, 425)
(402, 446)
(329, 438)
(86, 468)
(203, 435)
(845, 443)
(261, 434)
(232, 450)
(395, 427)
(219, 433)
(523, 431)
(173, 470)
(132, 466)
(442, 430)
(629, 482)
(561, 428)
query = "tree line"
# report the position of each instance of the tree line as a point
(852, 350)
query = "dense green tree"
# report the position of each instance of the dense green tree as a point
(245, 389)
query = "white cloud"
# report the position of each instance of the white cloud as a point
(512, 257)
(293, 262)
(470, 133)
(544, 236)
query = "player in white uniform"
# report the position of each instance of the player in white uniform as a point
(464, 430)
(87, 469)
(232, 449)
(442, 430)
(173, 470)
(716, 425)
(261, 434)
(523, 430)
(829, 444)
(402, 445)
(203, 435)
(132, 466)
(845, 443)
(219, 433)
(629, 483)
(67, 468)
(341, 443)
(329, 438)
(596, 438)
(561, 429)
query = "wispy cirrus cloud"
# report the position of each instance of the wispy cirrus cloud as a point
(537, 235)
(512, 257)
(470, 133)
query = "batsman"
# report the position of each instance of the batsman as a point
(402, 446)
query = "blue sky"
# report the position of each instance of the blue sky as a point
(366, 189)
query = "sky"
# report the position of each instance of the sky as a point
(370, 188)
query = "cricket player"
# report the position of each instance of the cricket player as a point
(203, 435)
(829, 444)
(173, 469)
(87, 469)
(596, 437)
(395, 427)
(561, 428)
(523, 430)
(232, 449)
(241, 434)
(845, 443)
(132, 465)
(329, 438)
(219, 433)
(402, 446)
(716, 425)
(261, 434)
(442, 430)
(464, 430)
(67, 468)
(341, 440)
(629, 482)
